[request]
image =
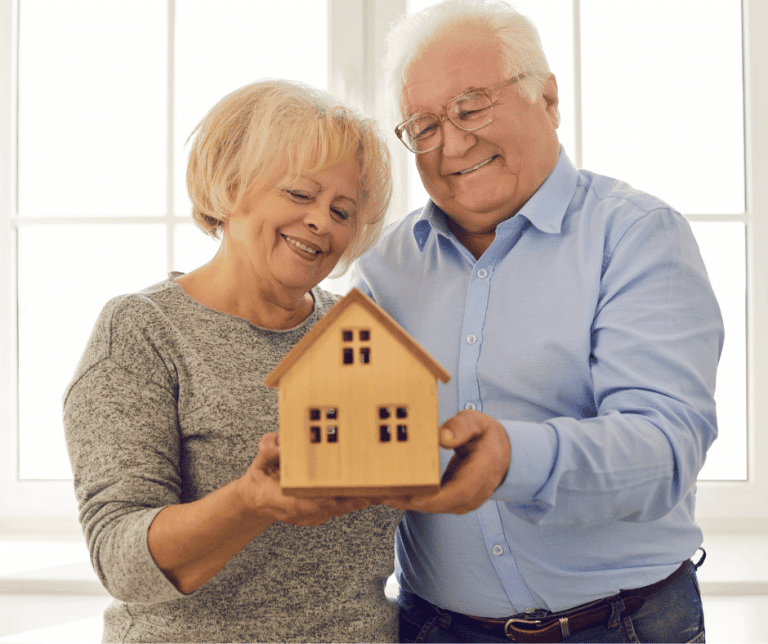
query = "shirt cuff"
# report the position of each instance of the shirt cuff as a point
(534, 448)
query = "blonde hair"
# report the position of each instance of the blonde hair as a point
(516, 36)
(278, 129)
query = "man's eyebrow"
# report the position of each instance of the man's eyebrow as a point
(468, 90)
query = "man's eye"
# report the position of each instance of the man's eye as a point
(423, 132)
(471, 114)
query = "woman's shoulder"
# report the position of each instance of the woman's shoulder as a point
(324, 300)
(134, 308)
(131, 325)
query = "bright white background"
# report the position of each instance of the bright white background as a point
(97, 98)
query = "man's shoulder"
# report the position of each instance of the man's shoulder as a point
(617, 195)
(404, 225)
(402, 230)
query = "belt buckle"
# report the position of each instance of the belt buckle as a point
(519, 620)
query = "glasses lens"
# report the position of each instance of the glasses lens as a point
(470, 111)
(422, 132)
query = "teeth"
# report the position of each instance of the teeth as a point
(298, 244)
(473, 168)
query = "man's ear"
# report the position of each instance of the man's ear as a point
(552, 99)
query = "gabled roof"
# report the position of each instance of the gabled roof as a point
(355, 296)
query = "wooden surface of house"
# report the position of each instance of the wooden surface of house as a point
(358, 407)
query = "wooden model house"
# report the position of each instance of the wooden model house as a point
(358, 407)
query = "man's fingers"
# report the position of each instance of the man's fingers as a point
(460, 429)
(479, 464)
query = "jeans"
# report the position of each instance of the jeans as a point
(673, 614)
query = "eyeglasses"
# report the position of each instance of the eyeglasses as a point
(469, 112)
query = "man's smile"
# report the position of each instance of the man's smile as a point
(475, 167)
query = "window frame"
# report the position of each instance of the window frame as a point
(743, 505)
(355, 51)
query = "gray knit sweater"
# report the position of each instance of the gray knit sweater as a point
(167, 405)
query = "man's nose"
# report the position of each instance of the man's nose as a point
(455, 140)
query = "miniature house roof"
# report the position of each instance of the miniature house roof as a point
(355, 296)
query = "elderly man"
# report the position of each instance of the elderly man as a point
(576, 318)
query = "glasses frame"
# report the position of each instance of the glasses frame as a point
(487, 91)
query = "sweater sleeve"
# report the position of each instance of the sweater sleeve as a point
(122, 434)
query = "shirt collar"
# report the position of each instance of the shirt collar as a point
(545, 209)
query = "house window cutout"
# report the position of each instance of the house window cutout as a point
(323, 421)
(385, 430)
(356, 342)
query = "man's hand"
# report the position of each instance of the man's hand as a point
(478, 467)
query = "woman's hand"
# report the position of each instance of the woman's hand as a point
(191, 542)
(260, 487)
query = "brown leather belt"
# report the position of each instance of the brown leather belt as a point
(554, 627)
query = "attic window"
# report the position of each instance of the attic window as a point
(323, 421)
(386, 416)
(356, 347)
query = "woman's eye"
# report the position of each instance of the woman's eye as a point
(298, 196)
(341, 215)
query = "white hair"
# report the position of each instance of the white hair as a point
(516, 35)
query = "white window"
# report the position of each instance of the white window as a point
(97, 99)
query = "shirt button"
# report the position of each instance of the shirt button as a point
(497, 550)
(471, 338)
(530, 610)
(482, 273)
(470, 405)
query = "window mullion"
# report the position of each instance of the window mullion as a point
(8, 159)
(744, 505)
(170, 206)
(356, 50)
(577, 102)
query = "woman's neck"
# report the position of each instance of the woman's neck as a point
(220, 286)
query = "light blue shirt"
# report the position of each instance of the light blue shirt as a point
(589, 329)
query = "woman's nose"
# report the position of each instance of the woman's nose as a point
(318, 218)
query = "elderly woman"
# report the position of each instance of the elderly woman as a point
(187, 530)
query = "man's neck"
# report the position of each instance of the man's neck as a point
(475, 243)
